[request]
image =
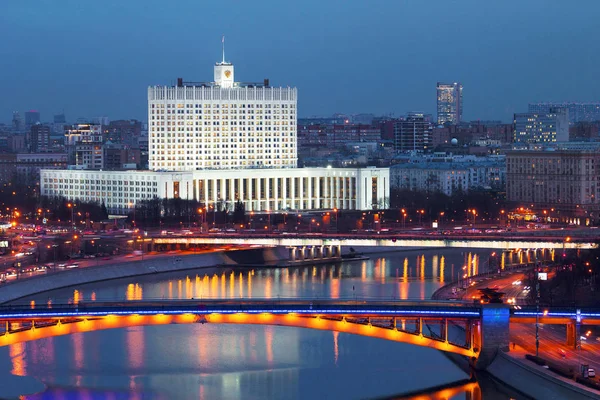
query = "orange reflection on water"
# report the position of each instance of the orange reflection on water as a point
(214, 286)
(17, 356)
(179, 288)
(241, 285)
(336, 350)
(170, 289)
(335, 288)
(383, 270)
(249, 294)
(434, 265)
(442, 268)
(232, 285)
(268, 287)
(134, 339)
(363, 271)
(405, 271)
(503, 260)
(422, 267)
(78, 349)
(223, 285)
(269, 343)
(76, 296)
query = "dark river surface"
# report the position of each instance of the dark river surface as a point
(210, 361)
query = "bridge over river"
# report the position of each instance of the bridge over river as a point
(484, 327)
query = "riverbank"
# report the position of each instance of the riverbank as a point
(511, 368)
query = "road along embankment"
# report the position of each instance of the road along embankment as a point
(528, 379)
(133, 267)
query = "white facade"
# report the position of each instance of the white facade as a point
(221, 125)
(259, 189)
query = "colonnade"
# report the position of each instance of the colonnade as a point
(298, 253)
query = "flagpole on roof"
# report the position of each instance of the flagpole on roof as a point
(223, 43)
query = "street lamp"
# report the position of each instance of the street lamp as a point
(201, 219)
(72, 207)
(335, 211)
(403, 218)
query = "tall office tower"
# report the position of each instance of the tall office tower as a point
(449, 103)
(578, 112)
(221, 124)
(543, 127)
(31, 118)
(413, 133)
(39, 138)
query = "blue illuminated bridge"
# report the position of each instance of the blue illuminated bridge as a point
(474, 330)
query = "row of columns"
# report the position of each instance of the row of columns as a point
(314, 252)
(339, 192)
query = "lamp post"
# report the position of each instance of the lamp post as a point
(72, 207)
(537, 313)
(201, 219)
(403, 218)
(335, 211)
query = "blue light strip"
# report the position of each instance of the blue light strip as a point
(259, 311)
(549, 314)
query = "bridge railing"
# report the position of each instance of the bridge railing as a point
(425, 309)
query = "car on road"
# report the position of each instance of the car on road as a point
(591, 372)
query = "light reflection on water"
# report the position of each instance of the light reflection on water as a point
(243, 361)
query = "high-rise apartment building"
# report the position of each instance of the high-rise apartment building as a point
(84, 145)
(413, 133)
(449, 103)
(542, 128)
(578, 112)
(39, 138)
(221, 124)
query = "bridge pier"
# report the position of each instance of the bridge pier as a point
(572, 335)
(493, 333)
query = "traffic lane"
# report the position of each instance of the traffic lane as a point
(553, 345)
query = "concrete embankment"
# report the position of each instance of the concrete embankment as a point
(535, 383)
(150, 265)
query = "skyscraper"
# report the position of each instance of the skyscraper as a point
(549, 127)
(39, 138)
(221, 124)
(449, 103)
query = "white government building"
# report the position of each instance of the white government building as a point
(220, 142)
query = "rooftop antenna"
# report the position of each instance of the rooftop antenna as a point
(223, 44)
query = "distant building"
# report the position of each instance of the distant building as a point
(39, 138)
(335, 135)
(118, 156)
(60, 119)
(449, 177)
(413, 133)
(449, 103)
(578, 112)
(31, 118)
(585, 132)
(563, 182)
(26, 166)
(84, 145)
(545, 128)
(123, 131)
(17, 123)
(16, 143)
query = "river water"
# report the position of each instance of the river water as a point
(207, 361)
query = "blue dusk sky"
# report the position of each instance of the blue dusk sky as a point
(96, 58)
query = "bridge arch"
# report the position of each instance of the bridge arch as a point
(60, 328)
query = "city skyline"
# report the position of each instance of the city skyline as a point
(99, 65)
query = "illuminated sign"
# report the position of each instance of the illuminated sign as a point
(543, 276)
(3, 243)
